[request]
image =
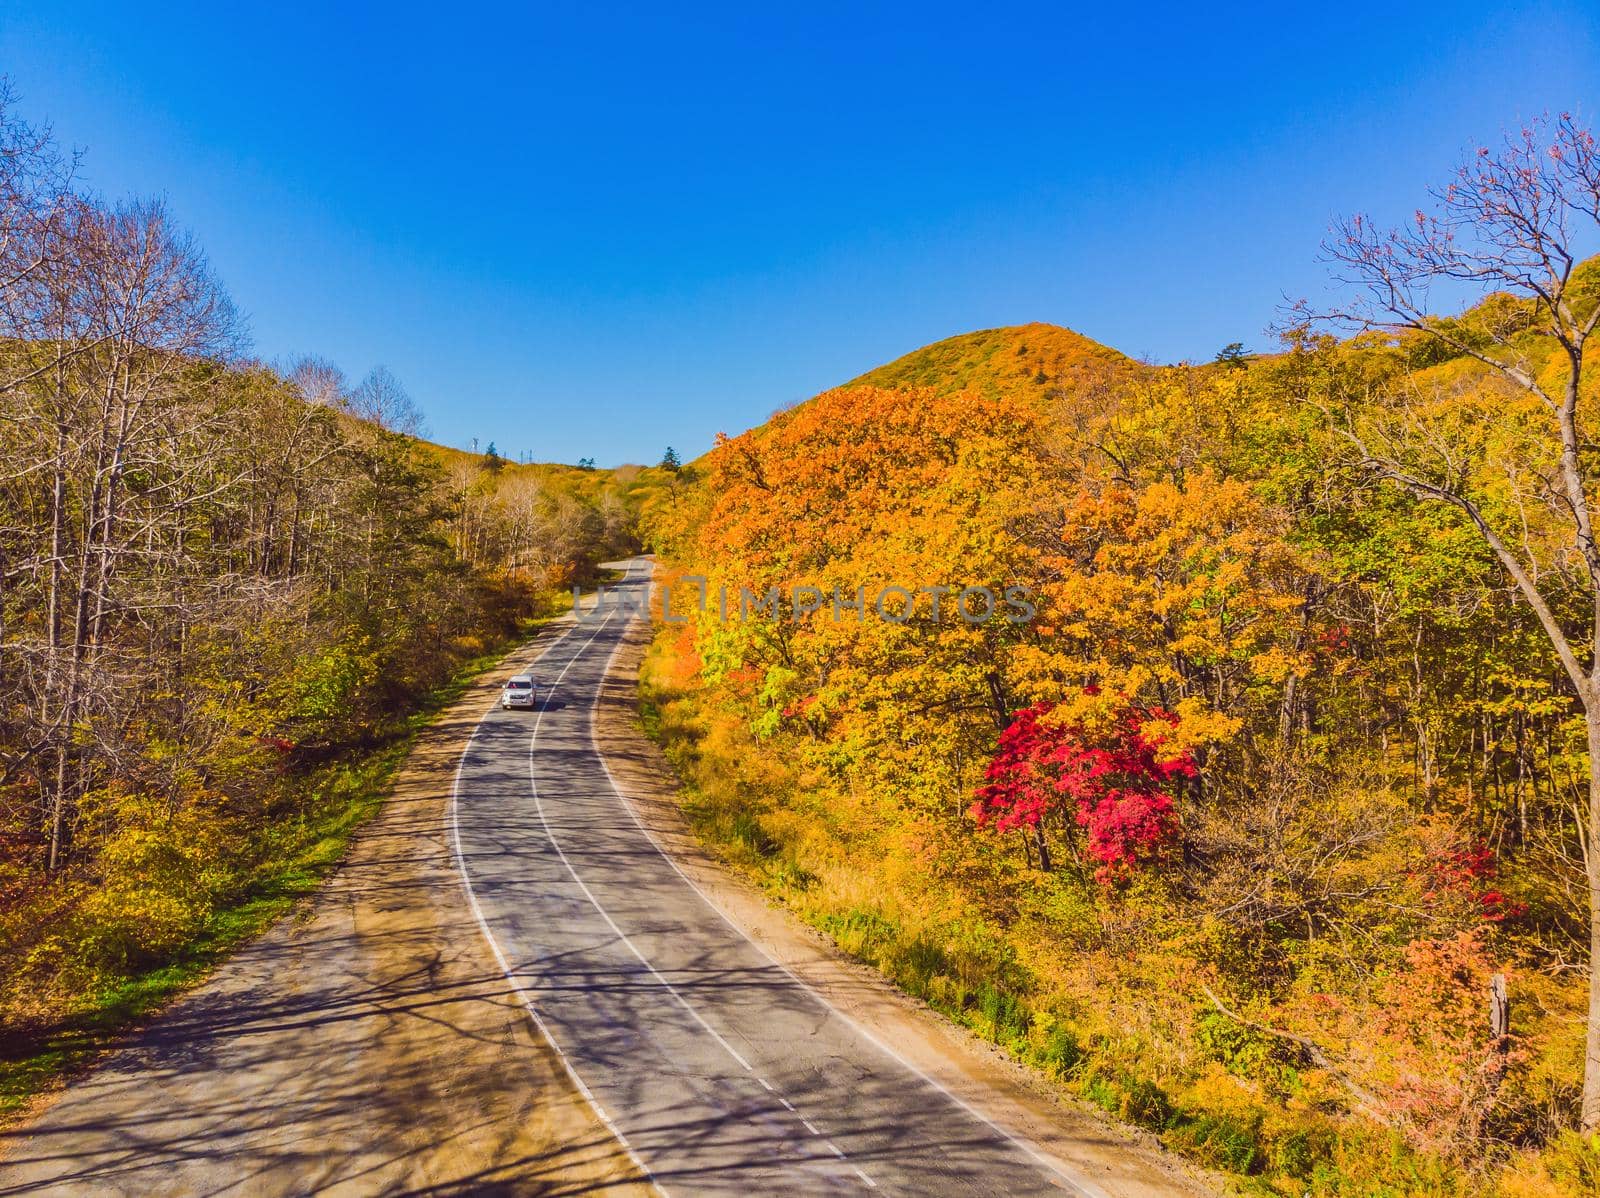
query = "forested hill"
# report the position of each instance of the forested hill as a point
(1233, 836)
(549, 518)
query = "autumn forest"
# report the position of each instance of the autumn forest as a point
(228, 592)
(1271, 831)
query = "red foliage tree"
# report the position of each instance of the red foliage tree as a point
(1115, 783)
(1473, 871)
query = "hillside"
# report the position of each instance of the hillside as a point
(1023, 360)
(587, 484)
(572, 506)
(1345, 772)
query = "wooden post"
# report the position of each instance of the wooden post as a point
(1499, 1008)
(1500, 1033)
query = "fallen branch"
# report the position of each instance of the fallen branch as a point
(1313, 1050)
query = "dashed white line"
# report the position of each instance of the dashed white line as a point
(505, 968)
(604, 914)
(500, 958)
(538, 806)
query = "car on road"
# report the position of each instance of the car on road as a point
(518, 691)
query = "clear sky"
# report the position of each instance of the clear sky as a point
(587, 230)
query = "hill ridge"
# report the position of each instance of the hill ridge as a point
(1024, 360)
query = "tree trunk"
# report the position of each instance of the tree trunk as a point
(1591, 863)
(61, 801)
(58, 522)
(66, 781)
(1499, 1037)
(1286, 713)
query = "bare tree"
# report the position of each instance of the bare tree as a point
(36, 202)
(542, 533)
(1515, 222)
(382, 400)
(319, 382)
(132, 311)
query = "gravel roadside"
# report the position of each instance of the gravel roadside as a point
(367, 1044)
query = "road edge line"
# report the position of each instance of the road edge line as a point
(499, 955)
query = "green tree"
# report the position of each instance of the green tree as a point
(1233, 356)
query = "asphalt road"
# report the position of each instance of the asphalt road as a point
(718, 1069)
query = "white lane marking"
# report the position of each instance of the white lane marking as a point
(870, 1183)
(538, 805)
(594, 745)
(500, 957)
(834, 1148)
(1086, 1187)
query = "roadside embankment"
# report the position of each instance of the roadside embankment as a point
(1120, 1160)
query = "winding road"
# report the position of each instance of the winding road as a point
(717, 1068)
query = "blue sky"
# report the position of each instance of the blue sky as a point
(596, 230)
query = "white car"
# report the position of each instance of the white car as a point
(518, 691)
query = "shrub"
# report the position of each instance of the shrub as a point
(1006, 1017)
(1224, 1142)
(746, 831)
(1237, 1048)
(1061, 1052)
(1137, 1100)
(1293, 1154)
(1145, 1103)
